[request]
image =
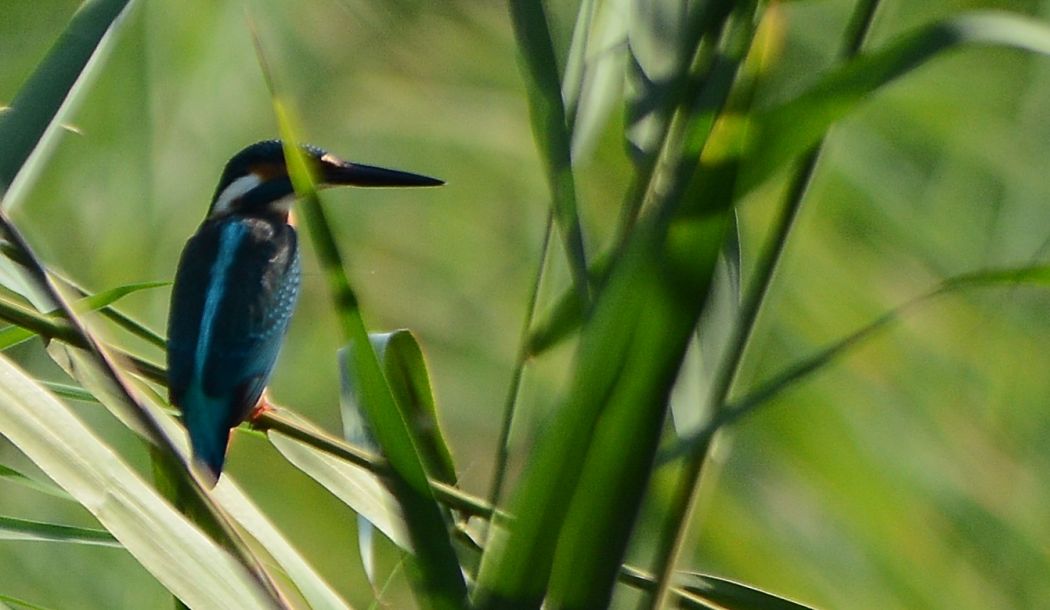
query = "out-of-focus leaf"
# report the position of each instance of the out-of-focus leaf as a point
(594, 72)
(550, 129)
(736, 596)
(628, 356)
(656, 34)
(9, 337)
(361, 490)
(6, 601)
(788, 130)
(691, 408)
(182, 558)
(22, 529)
(36, 111)
(1037, 275)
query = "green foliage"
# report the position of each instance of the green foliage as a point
(824, 247)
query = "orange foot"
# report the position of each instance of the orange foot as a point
(261, 408)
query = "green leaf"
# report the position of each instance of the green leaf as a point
(591, 464)
(436, 574)
(594, 71)
(790, 129)
(22, 529)
(550, 129)
(406, 371)
(41, 100)
(736, 596)
(9, 337)
(313, 587)
(12, 475)
(6, 600)
(182, 558)
(657, 39)
(1036, 275)
(363, 491)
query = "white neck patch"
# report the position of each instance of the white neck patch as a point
(233, 192)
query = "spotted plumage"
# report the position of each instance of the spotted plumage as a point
(236, 287)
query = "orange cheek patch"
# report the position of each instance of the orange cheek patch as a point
(268, 171)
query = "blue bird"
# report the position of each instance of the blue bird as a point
(236, 287)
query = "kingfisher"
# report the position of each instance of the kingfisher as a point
(236, 286)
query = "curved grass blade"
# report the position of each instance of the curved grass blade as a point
(6, 601)
(406, 371)
(732, 595)
(594, 71)
(34, 111)
(790, 129)
(550, 129)
(361, 490)
(313, 587)
(72, 392)
(13, 476)
(9, 337)
(181, 557)
(12, 528)
(1036, 275)
(437, 577)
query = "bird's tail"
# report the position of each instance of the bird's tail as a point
(209, 432)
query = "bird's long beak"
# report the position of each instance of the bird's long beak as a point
(337, 172)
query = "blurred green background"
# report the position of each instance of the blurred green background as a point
(910, 474)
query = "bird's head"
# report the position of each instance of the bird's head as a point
(256, 182)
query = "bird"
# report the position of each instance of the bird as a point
(236, 286)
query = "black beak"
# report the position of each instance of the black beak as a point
(340, 173)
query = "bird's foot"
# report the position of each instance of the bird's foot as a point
(261, 408)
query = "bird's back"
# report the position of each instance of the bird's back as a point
(235, 289)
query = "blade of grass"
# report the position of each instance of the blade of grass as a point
(7, 599)
(437, 577)
(794, 127)
(627, 359)
(128, 324)
(550, 129)
(24, 131)
(696, 206)
(12, 475)
(406, 371)
(675, 528)
(733, 412)
(174, 551)
(12, 528)
(313, 587)
(37, 108)
(361, 490)
(499, 469)
(9, 337)
(737, 596)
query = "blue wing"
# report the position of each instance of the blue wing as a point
(234, 293)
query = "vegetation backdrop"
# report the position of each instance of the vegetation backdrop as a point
(908, 469)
